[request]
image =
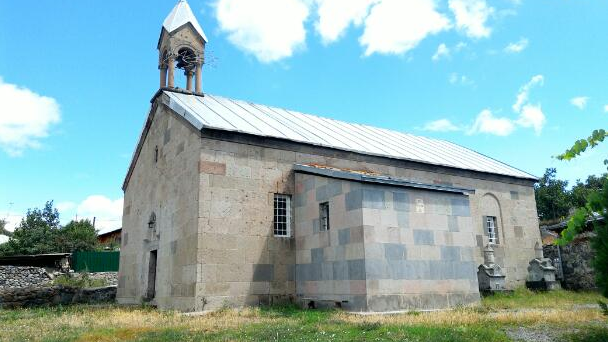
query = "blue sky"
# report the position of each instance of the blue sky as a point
(518, 80)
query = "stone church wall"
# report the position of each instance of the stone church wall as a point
(164, 183)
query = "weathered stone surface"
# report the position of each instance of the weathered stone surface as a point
(54, 295)
(23, 276)
(576, 269)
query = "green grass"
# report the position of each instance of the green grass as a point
(488, 322)
(524, 298)
(81, 281)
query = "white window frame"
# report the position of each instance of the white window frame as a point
(324, 217)
(279, 218)
(492, 229)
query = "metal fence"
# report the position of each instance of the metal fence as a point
(95, 261)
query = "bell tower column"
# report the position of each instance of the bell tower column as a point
(199, 77)
(163, 76)
(171, 63)
(189, 75)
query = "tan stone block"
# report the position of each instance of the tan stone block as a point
(212, 168)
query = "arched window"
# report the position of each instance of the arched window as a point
(491, 218)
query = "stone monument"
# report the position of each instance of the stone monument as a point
(490, 275)
(541, 272)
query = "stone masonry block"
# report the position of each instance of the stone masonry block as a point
(263, 272)
(401, 201)
(373, 199)
(344, 236)
(423, 237)
(450, 253)
(460, 207)
(212, 168)
(316, 255)
(394, 251)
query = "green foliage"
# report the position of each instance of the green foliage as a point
(596, 204)
(39, 233)
(552, 197)
(581, 145)
(80, 280)
(35, 234)
(580, 191)
(77, 236)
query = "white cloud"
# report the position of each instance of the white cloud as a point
(458, 79)
(579, 102)
(335, 16)
(487, 123)
(606, 108)
(524, 92)
(107, 212)
(268, 29)
(532, 116)
(442, 51)
(12, 221)
(517, 47)
(471, 17)
(25, 118)
(441, 125)
(396, 26)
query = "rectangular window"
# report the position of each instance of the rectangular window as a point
(282, 215)
(491, 229)
(324, 216)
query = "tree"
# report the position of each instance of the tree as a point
(596, 204)
(552, 197)
(35, 234)
(39, 232)
(77, 236)
(581, 191)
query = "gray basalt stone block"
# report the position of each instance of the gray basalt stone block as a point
(401, 201)
(423, 237)
(394, 251)
(263, 272)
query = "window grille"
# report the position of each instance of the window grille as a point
(282, 215)
(324, 216)
(492, 229)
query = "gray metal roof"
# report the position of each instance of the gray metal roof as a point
(216, 112)
(181, 15)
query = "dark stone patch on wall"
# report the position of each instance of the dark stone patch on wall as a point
(321, 194)
(401, 201)
(423, 237)
(394, 251)
(354, 199)
(344, 236)
(180, 148)
(514, 195)
(334, 188)
(451, 253)
(519, 231)
(316, 255)
(373, 199)
(263, 272)
(479, 239)
(460, 207)
(403, 219)
(453, 223)
(167, 136)
(356, 269)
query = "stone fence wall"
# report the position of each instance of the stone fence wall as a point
(54, 295)
(576, 259)
(23, 276)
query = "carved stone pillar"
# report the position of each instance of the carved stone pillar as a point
(188, 79)
(163, 76)
(171, 62)
(199, 77)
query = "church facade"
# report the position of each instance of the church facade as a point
(235, 203)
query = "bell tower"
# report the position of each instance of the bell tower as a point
(181, 46)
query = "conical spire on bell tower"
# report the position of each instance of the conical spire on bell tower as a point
(181, 45)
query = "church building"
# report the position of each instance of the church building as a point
(232, 203)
